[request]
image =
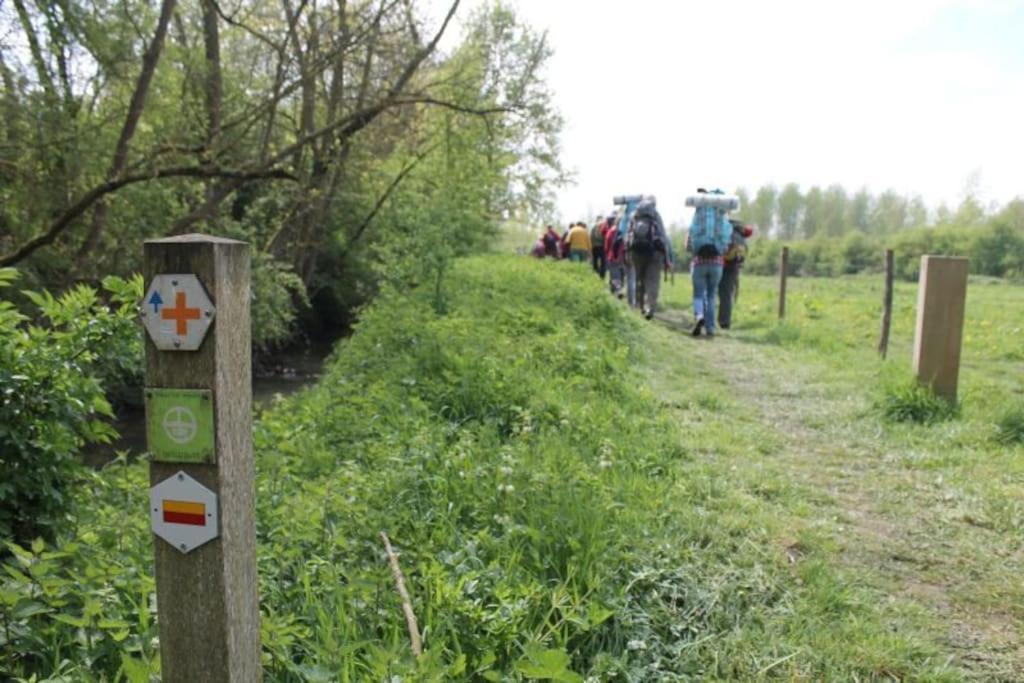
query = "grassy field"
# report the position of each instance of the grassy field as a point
(931, 516)
(580, 495)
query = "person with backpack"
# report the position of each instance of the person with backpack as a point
(708, 241)
(647, 252)
(615, 255)
(597, 257)
(552, 243)
(578, 242)
(733, 261)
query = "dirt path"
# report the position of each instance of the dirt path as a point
(897, 527)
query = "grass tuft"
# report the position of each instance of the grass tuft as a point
(1010, 426)
(906, 400)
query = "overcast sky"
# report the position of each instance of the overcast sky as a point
(662, 96)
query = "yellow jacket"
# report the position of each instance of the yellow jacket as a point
(579, 238)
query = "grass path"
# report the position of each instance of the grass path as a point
(875, 504)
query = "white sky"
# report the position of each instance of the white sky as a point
(660, 97)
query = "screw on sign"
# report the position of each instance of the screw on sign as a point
(177, 312)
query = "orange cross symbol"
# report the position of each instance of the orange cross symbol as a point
(181, 314)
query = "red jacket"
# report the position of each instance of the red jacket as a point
(612, 252)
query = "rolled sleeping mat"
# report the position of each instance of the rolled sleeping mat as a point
(725, 202)
(626, 199)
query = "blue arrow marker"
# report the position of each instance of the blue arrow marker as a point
(156, 302)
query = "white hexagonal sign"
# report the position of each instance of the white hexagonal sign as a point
(183, 512)
(177, 312)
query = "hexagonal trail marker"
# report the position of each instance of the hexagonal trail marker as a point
(177, 312)
(183, 512)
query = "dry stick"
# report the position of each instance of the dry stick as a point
(410, 616)
(883, 340)
(783, 267)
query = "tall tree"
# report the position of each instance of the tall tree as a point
(790, 207)
(834, 210)
(763, 211)
(858, 211)
(813, 222)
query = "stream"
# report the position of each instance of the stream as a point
(281, 375)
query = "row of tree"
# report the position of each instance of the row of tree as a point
(333, 135)
(789, 213)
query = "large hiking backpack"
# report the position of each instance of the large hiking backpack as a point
(643, 234)
(710, 232)
(597, 235)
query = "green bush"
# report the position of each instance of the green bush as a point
(51, 395)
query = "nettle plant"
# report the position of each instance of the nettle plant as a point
(52, 402)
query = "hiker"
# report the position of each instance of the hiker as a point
(648, 252)
(597, 257)
(708, 240)
(552, 243)
(615, 255)
(539, 249)
(729, 286)
(578, 241)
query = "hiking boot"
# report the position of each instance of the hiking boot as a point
(648, 314)
(697, 327)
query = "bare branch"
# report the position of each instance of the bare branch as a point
(58, 225)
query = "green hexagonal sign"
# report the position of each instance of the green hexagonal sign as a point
(179, 425)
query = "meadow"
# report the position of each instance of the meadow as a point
(579, 495)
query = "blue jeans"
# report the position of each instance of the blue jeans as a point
(706, 277)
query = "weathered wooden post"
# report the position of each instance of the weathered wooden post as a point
(783, 268)
(883, 338)
(941, 298)
(199, 429)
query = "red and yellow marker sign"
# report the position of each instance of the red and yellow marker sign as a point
(184, 512)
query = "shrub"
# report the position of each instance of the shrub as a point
(51, 395)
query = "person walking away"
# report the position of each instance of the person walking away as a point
(578, 240)
(597, 258)
(733, 261)
(539, 249)
(708, 240)
(647, 251)
(551, 243)
(615, 255)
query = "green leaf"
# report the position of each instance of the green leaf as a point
(547, 664)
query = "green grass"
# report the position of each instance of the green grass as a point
(579, 495)
(928, 507)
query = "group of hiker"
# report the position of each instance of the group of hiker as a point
(632, 247)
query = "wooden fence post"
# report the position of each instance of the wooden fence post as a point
(941, 299)
(783, 268)
(883, 339)
(199, 428)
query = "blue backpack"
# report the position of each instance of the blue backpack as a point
(710, 232)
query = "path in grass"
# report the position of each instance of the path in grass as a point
(894, 527)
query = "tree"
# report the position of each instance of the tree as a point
(890, 213)
(790, 205)
(858, 211)
(763, 210)
(813, 222)
(834, 211)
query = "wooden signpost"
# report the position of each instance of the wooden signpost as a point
(883, 337)
(199, 424)
(783, 268)
(941, 298)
